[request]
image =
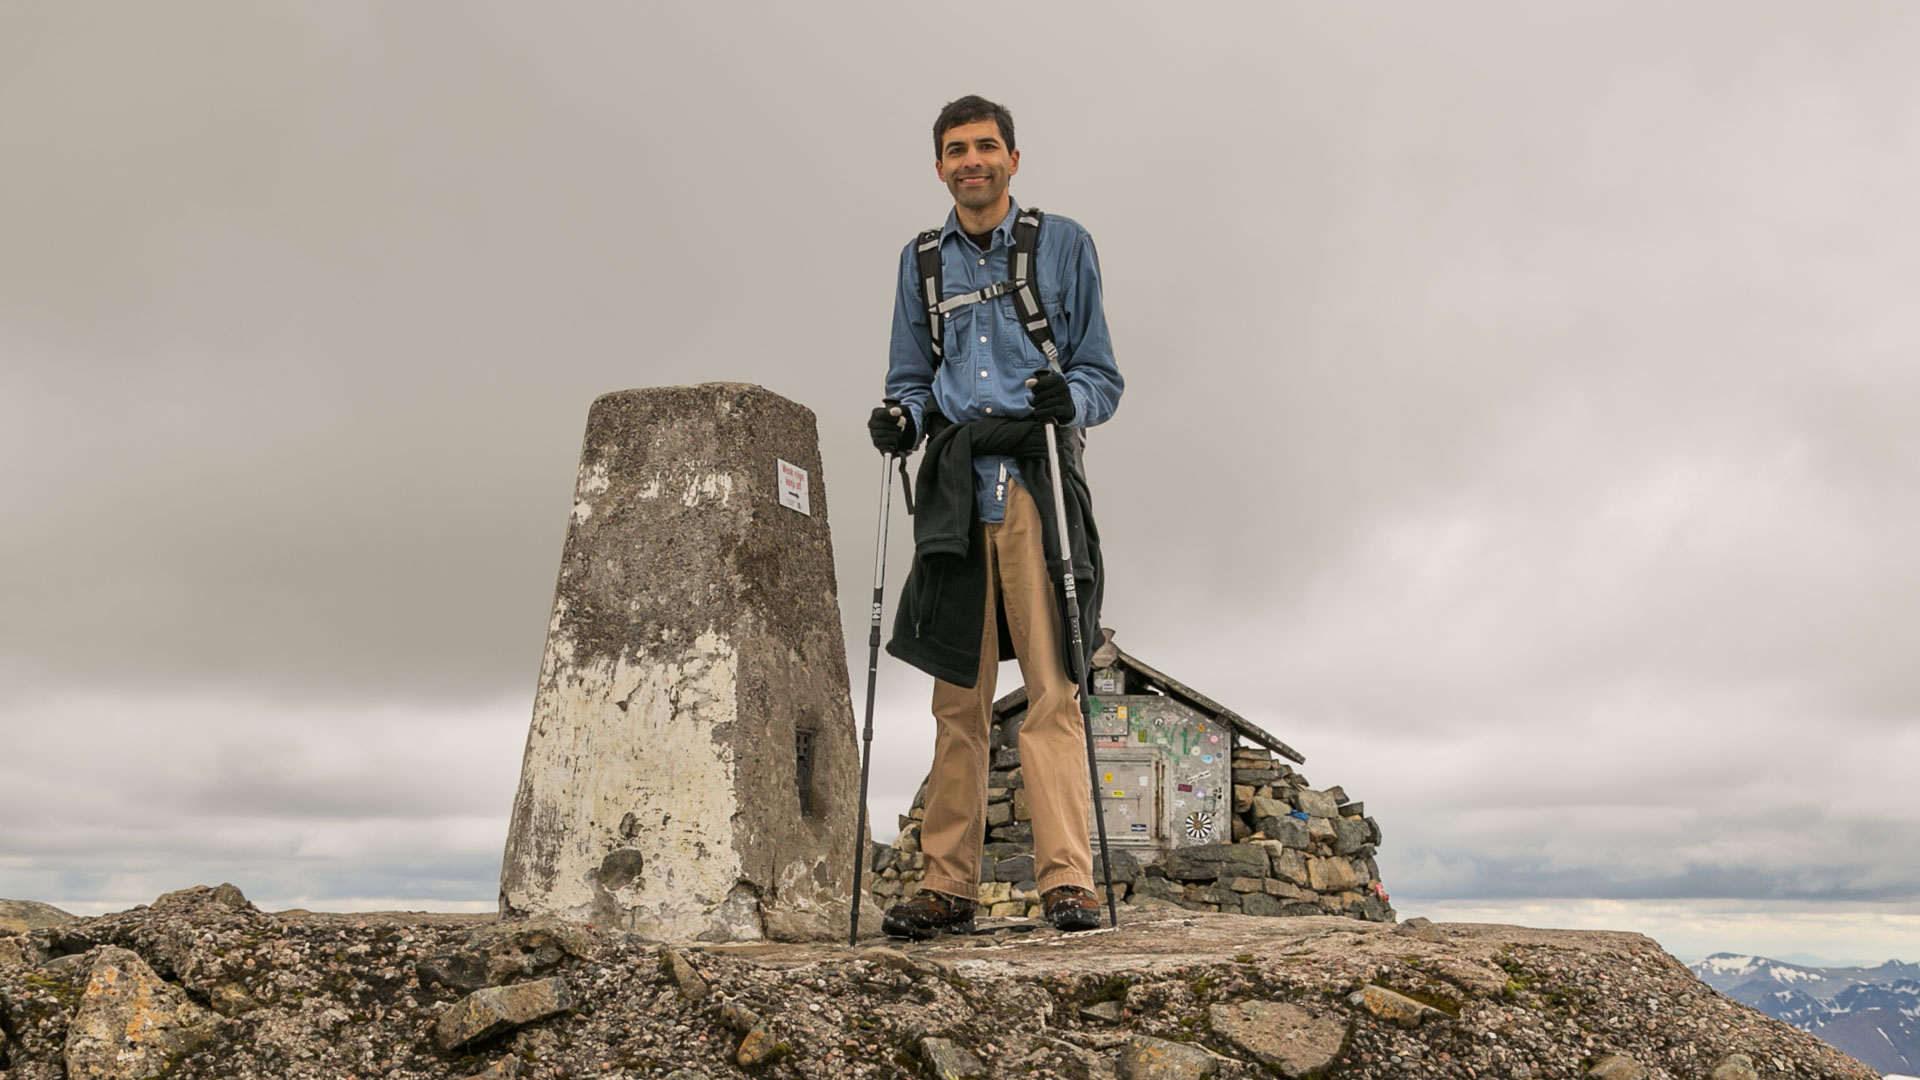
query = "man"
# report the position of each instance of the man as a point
(980, 584)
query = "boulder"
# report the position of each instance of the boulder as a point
(1285, 890)
(1262, 904)
(1125, 866)
(1287, 1037)
(1261, 807)
(946, 1060)
(131, 1024)
(1212, 862)
(692, 986)
(1020, 868)
(757, 1047)
(1392, 1006)
(489, 1012)
(1290, 865)
(1289, 831)
(737, 1017)
(1350, 835)
(1148, 1058)
(502, 954)
(1734, 1067)
(1020, 832)
(1317, 803)
(1331, 875)
(1617, 1067)
(226, 894)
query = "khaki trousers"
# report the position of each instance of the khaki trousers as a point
(1053, 742)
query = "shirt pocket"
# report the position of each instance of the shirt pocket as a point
(1016, 328)
(1053, 301)
(962, 332)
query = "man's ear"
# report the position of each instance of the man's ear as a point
(1013, 156)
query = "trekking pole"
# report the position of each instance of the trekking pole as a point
(873, 674)
(1079, 652)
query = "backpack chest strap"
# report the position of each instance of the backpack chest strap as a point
(1033, 318)
(954, 303)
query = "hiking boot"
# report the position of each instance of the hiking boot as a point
(1070, 907)
(927, 914)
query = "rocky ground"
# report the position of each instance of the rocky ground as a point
(202, 984)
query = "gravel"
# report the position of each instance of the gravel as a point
(332, 996)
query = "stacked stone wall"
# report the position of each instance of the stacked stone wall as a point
(1296, 850)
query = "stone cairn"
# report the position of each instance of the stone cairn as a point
(1295, 851)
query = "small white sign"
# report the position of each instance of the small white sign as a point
(793, 487)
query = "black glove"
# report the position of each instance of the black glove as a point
(892, 429)
(1051, 400)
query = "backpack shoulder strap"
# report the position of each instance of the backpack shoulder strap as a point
(1033, 317)
(926, 253)
(1026, 287)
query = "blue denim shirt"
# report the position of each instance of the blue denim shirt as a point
(988, 355)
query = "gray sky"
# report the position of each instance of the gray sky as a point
(1520, 415)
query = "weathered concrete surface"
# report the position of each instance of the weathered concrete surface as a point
(695, 630)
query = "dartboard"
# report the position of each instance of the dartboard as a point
(1199, 825)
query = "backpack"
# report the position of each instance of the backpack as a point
(1033, 318)
(1026, 299)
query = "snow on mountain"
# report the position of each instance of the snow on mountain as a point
(1724, 964)
(1872, 1013)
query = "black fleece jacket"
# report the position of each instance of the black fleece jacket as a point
(937, 624)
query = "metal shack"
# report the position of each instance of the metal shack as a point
(1163, 751)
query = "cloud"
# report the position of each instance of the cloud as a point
(1518, 416)
(111, 800)
(1838, 935)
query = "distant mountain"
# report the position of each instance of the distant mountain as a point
(1872, 1013)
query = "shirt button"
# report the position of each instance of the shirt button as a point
(983, 371)
(983, 262)
(983, 341)
(989, 408)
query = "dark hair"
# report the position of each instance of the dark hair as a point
(967, 110)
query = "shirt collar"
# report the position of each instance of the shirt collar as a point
(1002, 233)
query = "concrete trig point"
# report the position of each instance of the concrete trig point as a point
(691, 768)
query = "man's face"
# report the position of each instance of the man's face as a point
(975, 164)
